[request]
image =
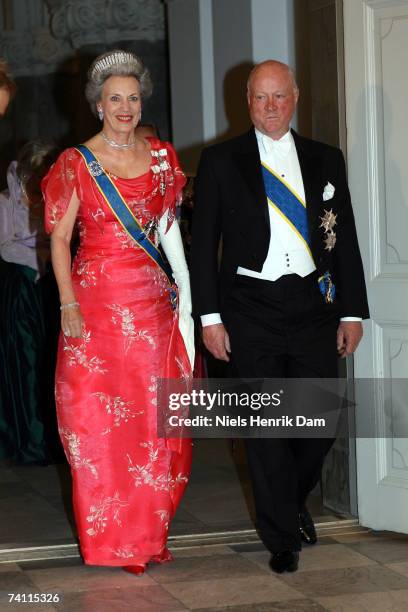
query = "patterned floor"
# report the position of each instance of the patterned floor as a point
(37, 499)
(342, 573)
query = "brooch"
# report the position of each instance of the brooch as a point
(95, 168)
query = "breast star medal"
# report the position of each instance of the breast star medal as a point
(330, 241)
(328, 221)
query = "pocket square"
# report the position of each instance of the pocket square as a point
(328, 192)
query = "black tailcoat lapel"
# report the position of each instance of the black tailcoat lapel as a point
(248, 161)
(310, 167)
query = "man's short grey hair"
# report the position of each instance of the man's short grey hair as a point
(115, 63)
(273, 63)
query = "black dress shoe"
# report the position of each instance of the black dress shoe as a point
(307, 528)
(286, 561)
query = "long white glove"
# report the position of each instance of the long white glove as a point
(173, 247)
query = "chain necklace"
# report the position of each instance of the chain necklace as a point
(116, 145)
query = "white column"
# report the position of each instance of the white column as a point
(273, 31)
(207, 70)
(233, 59)
(213, 45)
(191, 77)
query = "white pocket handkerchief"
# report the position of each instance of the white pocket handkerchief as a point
(328, 192)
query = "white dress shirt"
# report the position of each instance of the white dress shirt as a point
(287, 253)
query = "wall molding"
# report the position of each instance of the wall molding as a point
(83, 22)
(46, 37)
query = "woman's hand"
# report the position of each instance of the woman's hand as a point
(71, 321)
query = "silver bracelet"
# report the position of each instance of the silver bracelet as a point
(70, 305)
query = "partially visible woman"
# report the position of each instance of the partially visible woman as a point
(25, 293)
(146, 130)
(123, 327)
(7, 87)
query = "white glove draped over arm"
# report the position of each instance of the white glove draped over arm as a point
(173, 247)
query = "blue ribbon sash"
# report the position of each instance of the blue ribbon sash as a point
(125, 216)
(293, 210)
(287, 203)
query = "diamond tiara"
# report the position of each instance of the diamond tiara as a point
(115, 58)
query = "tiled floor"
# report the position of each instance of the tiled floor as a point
(36, 500)
(342, 573)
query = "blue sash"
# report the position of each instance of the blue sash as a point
(125, 216)
(287, 203)
(293, 210)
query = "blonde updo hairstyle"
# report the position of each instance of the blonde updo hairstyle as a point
(115, 63)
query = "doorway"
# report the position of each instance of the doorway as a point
(36, 500)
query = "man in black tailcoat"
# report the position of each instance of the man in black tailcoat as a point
(289, 294)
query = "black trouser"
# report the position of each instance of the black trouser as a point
(282, 329)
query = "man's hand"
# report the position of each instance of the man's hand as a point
(349, 335)
(217, 341)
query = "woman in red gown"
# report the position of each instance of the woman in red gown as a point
(121, 331)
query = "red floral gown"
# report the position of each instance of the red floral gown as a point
(127, 483)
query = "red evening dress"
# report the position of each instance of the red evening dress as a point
(127, 482)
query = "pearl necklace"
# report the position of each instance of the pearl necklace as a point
(116, 145)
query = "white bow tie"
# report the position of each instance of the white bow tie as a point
(279, 147)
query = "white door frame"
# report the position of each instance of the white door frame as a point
(376, 54)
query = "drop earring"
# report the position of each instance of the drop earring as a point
(100, 114)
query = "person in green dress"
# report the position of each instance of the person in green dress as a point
(28, 314)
